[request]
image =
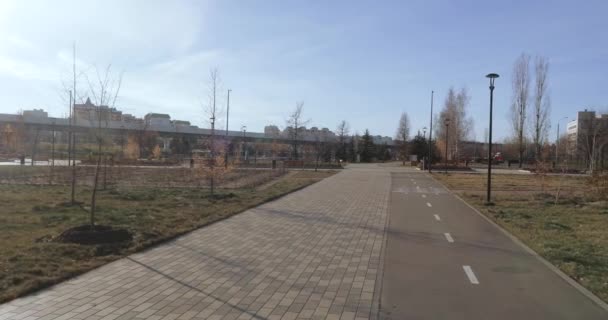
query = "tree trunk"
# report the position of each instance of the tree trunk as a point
(105, 171)
(94, 193)
(73, 192)
(521, 149)
(35, 146)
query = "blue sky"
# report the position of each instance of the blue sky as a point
(360, 61)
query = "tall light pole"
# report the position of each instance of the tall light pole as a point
(226, 135)
(227, 110)
(424, 139)
(557, 141)
(431, 134)
(492, 77)
(447, 126)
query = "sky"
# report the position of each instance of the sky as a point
(365, 62)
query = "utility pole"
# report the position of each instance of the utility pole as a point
(226, 136)
(424, 164)
(431, 134)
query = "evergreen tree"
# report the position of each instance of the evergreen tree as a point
(419, 146)
(383, 153)
(368, 149)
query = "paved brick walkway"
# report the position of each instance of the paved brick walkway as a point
(314, 254)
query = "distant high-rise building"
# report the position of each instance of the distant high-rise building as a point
(589, 130)
(272, 131)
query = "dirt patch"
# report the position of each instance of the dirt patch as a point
(94, 235)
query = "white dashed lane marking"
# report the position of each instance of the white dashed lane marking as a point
(448, 237)
(428, 204)
(437, 217)
(470, 274)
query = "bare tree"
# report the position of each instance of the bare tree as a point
(542, 105)
(402, 136)
(211, 109)
(35, 145)
(104, 90)
(214, 166)
(593, 137)
(521, 87)
(295, 124)
(342, 132)
(455, 110)
(69, 93)
(320, 146)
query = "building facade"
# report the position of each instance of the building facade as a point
(587, 137)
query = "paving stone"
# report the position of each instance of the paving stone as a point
(310, 255)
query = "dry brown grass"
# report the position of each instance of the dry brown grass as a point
(31, 215)
(572, 233)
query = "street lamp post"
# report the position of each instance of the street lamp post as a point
(447, 126)
(492, 77)
(431, 134)
(424, 139)
(557, 141)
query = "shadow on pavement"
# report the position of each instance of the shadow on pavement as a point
(254, 315)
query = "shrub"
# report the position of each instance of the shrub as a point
(599, 185)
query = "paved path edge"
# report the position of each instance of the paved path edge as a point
(377, 298)
(584, 291)
(161, 242)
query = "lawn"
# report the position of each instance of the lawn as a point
(571, 233)
(31, 216)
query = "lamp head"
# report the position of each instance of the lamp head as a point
(492, 77)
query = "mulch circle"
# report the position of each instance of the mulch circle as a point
(94, 235)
